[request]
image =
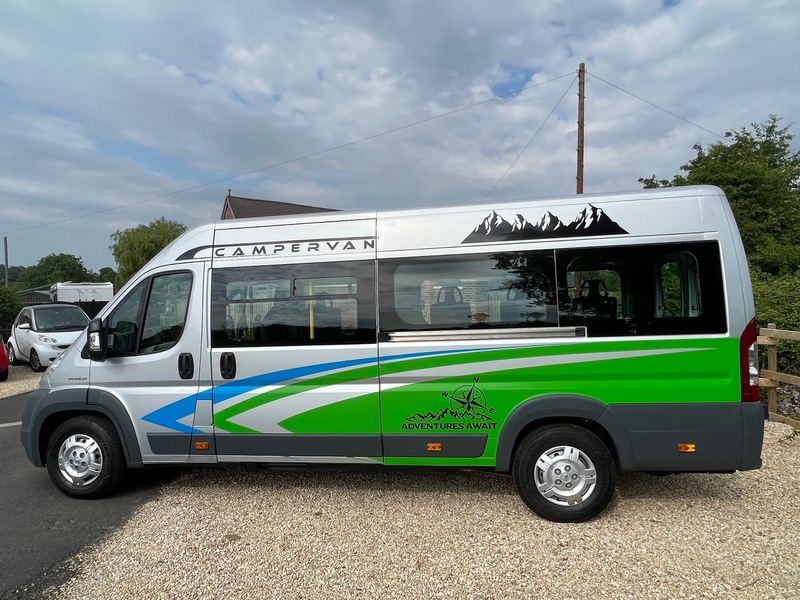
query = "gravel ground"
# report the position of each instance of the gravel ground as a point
(422, 534)
(21, 379)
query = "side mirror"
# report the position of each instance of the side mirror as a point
(24, 326)
(97, 340)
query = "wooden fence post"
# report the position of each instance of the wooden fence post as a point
(772, 365)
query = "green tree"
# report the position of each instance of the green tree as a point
(14, 274)
(107, 274)
(9, 306)
(54, 268)
(777, 301)
(760, 175)
(132, 248)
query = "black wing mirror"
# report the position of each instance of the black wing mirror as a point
(97, 340)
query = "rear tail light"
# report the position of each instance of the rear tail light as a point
(748, 357)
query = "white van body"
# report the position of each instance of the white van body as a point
(596, 332)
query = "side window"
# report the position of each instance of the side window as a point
(152, 316)
(678, 286)
(165, 315)
(288, 305)
(506, 289)
(668, 289)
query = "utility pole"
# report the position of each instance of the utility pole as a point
(581, 83)
(5, 247)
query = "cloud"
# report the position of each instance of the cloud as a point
(105, 105)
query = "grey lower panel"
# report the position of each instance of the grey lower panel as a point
(292, 444)
(252, 444)
(726, 436)
(451, 445)
(169, 443)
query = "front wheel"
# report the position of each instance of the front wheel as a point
(36, 364)
(84, 458)
(564, 473)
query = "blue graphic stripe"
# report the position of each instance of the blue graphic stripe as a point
(169, 416)
(229, 390)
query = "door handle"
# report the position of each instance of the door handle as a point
(227, 365)
(186, 366)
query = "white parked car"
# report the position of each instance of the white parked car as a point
(43, 331)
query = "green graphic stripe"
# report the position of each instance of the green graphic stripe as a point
(660, 371)
(222, 418)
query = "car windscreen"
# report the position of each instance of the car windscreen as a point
(60, 318)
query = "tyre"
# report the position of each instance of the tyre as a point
(84, 458)
(3, 375)
(36, 364)
(564, 473)
(12, 356)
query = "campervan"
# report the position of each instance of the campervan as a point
(559, 341)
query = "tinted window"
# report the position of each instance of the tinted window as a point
(151, 317)
(508, 289)
(60, 317)
(666, 289)
(280, 305)
(642, 290)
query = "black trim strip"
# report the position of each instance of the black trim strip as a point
(169, 443)
(451, 445)
(292, 444)
(180, 443)
(190, 254)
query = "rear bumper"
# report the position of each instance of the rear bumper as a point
(726, 436)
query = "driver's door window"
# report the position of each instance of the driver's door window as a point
(152, 317)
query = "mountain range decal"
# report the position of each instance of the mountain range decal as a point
(591, 220)
(447, 413)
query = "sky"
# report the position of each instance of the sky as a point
(115, 114)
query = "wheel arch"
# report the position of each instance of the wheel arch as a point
(61, 405)
(560, 409)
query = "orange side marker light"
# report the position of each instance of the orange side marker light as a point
(201, 445)
(434, 447)
(687, 448)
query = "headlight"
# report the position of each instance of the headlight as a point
(46, 339)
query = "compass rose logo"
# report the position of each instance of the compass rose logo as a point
(469, 400)
(466, 409)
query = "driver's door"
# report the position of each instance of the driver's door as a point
(155, 361)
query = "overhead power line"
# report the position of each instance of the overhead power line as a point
(375, 136)
(296, 159)
(661, 108)
(579, 123)
(547, 118)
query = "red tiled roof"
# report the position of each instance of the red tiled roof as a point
(242, 208)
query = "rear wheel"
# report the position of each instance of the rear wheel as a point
(564, 473)
(84, 458)
(3, 375)
(36, 364)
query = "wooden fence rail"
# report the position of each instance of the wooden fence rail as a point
(771, 377)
